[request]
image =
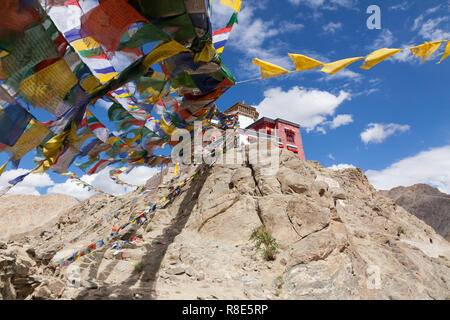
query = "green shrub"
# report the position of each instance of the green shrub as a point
(139, 267)
(265, 243)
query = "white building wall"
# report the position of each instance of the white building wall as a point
(244, 121)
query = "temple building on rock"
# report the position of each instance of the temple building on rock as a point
(286, 133)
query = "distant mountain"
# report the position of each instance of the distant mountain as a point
(426, 203)
(21, 213)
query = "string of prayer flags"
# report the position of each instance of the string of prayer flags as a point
(174, 192)
(301, 62)
(233, 4)
(72, 54)
(425, 50)
(269, 70)
(377, 56)
(334, 67)
(220, 37)
(73, 176)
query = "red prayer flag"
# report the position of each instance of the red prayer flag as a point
(107, 22)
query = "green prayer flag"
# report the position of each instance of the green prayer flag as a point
(148, 33)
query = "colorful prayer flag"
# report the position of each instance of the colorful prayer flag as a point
(97, 127)
(220, 37)
(304, 63)
(378, 56)
(269, 70)
(333, 67)
(446, 52)
(425, 50)
(233, 4)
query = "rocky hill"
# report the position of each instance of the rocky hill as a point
(21, 214)
(426, 203)
(337, 238)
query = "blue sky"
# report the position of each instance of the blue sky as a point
(392, 121)
(401, 107)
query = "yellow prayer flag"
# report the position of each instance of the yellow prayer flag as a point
(85, 44)
(29, 140)
(51, 150)
(233, 4)
(168, 128)
(377, 56)
(446, 52)
(176, 169)
(208, 52)
(90, 84)
(48, 87)
(161, 52)
(333, 67)
(105, 77)
(269, 70)
(2, 168)
(425, 50)
(303, 62)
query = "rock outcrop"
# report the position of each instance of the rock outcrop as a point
(338, 239)
(426, 203)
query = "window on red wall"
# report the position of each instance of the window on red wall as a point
(290, 136)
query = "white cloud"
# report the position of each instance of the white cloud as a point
(344, 74)
(102, 181)
(404, 56)
(29, 185)
(401, 7)
(330, 156)
(324, 4)
(341, 120)
(432, 29)
(287, 26)
(99, 180)
(308, 107)
(252, 36)
(341, 166)
(385, 40)
(332, 27)
(378, 132)
(71, 189)
(139, 176)
(430, 167)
